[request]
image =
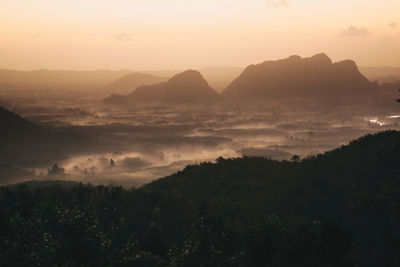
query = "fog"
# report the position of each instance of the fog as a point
(136, 144)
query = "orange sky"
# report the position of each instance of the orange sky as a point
(180, 34)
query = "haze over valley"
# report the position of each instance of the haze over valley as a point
(130, 128)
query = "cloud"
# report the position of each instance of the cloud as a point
(393, 25)
(353, 31)
(123, 37)
(277, 3)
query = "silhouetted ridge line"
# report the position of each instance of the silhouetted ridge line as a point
(296, 76)
(58, 79)
(185, 87)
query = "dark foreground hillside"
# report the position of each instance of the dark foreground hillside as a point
(341, 208)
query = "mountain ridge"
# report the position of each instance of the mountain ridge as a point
(186, 87)
(313, 76)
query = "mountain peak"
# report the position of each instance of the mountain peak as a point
(321, 58)
(188, 86)
(348, 64)
(188, 78)
(296, 76)
(294, 57)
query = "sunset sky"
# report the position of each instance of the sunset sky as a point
(179, 34)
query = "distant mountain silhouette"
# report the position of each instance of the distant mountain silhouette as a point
(58, 79)
(130, 82)
(217, 77)
(296, 76)
(186, 87)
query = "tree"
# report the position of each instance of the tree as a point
(295, 158)
(55, 170)
(112, 163)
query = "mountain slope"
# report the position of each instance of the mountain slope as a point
(355, 186)
(296, 76)
(57, 79)
(186, 87)
(25, 143)
(361, 162)
(336, 209)
(13, 124)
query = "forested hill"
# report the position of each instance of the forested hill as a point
(341, 208)
(364, 162)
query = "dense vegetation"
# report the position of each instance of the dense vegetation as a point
(341, 208)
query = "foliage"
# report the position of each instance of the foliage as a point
(341, 208)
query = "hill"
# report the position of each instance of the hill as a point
(340, 208)
(185, 87)
(21, 142)
(296, 76)
(366, 163)
(130, 82)
(13, 124)
(27, 144)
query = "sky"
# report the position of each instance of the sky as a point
(182, 34)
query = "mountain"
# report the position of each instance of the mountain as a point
(186, 87)
(296, 76)
(130, 82)
(362, 162)
(58, 79)
(217, 77)
(356, 186)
